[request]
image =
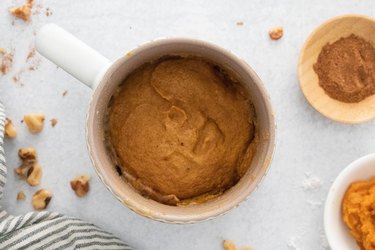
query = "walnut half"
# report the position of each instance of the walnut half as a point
(80, 185)
(41, 199)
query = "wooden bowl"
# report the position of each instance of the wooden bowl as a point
(329, 32)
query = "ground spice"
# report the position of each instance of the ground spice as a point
(346, 69)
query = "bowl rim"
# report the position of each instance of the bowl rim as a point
(335, 192)
(302, 54)
(171, 218)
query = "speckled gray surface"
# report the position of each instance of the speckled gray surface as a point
(286, 212)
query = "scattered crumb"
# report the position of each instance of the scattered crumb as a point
(35, 122)
(21, 196)
(9, 129)
(48, 12)
(17, 78)
(53, 122)
(311, 183)
(31, 54)
(21, 121)
(2, 51)
(37, 9)
(80, 185)
(276, 33)
(23, 12)
(239, 23)
(65, 93)
(229, 245)
(6, 62)
(34, 64)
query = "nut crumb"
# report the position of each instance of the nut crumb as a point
(31, 54)
(239, 23)
(10, 130)
(21, 196)
(23, 12)
(229, 245)
(65, 93)
(276, 33)
(80, 185)
(6, 62)
(48, 12)
(41, 199)
(53, 122)
(34, 122)
(2, 51)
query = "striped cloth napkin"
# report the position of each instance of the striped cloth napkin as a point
(47, 230)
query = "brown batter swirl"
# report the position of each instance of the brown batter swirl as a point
(182, 128)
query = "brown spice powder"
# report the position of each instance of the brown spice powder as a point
(346, 69)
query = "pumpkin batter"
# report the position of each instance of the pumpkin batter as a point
(358, 208)
(182, 128)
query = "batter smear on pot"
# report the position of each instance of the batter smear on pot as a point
(182, 130)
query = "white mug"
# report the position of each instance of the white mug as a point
(104, 76)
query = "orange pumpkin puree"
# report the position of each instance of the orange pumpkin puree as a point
(358, 208)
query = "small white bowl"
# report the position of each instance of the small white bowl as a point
(337, 233)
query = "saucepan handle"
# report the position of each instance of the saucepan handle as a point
(71, 54)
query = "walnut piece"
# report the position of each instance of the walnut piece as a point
(28, 157)
(34, 175)
(34, 122)
(21, 196)
(27, 153)
(41, 199)
(276, 33)
(10, 130)
(80, 185)
(23, 11)
(53, 122)
(229, 245)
